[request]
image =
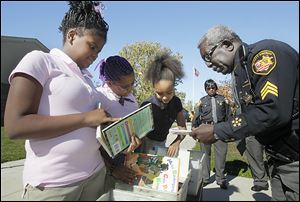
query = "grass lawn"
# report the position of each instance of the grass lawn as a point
(236, 164)
(11, 150)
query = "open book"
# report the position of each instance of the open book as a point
(155, 172)
(116, 137)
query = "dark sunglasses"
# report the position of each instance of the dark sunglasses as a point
(211, 88)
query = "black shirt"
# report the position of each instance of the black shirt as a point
(163, 118)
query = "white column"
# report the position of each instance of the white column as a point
(193, 72)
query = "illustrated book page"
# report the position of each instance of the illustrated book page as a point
(155, 172)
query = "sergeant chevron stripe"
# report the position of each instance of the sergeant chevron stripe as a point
(269, 88)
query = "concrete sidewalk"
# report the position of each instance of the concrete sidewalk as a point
(238, 190)
(11, 180)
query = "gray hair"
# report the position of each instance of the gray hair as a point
(218, 33)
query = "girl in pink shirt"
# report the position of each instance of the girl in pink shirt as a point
(53, 105)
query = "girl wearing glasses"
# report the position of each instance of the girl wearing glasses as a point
(117, 99)
(164, 72)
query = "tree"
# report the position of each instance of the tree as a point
(139, 55)
(225, 89)
(188, 106)
(181, 95)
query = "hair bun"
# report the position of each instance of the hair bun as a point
(83, 5)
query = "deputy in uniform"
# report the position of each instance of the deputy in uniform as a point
(266, 78)
(212, 109)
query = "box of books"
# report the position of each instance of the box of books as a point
(158, 177)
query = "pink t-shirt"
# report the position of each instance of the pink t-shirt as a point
(110, 102)
(66, 90)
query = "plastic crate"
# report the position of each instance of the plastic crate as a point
(141, 192)
(121, 195)
(196, 162)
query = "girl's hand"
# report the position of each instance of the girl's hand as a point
(97, 117)
(173, 149)
(135, 143)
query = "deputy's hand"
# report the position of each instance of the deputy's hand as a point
(204, 133)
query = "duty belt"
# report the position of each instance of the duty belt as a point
(208, 122)
(283, 151)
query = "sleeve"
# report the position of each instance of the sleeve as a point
(144, 103)
(196, 120)
(275, 75)
(33, 64)
(179, 106)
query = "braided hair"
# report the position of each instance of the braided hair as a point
(164, 67)
(84, 15)
(113, 68)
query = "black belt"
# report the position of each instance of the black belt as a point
(208, 122)
(285, 149)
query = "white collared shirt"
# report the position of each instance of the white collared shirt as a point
(110, 102)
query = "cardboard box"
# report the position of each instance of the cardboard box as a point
(196, 159)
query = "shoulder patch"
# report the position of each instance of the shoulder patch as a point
(263, 62)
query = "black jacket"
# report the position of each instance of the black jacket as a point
(267, 84)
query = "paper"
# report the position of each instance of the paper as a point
(177, 131)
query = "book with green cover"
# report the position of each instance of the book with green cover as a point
(116, 137)
(156, 172)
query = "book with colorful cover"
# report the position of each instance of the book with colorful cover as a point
(116, 137)
(155, 172)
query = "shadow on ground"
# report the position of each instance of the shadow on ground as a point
(235, 167)
(261, 197)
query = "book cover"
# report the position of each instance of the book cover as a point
(156, 172)
(116, 137)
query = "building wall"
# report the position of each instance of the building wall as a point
(13, 50)
(4, 93)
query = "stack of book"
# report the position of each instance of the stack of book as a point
(160, 173)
